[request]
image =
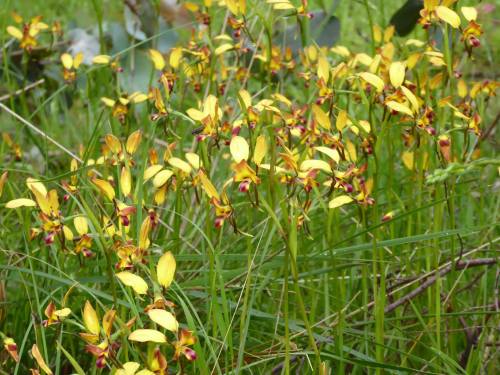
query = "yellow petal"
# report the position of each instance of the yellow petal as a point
(144, 233)
(373, 67)
(34, 184)
(132, 280)
(246, 99)
(307, 165)
(373, 80)
(152, 171)
(411, 98)
(397, 73)
(431, 4)
(281, 4)
(107, 322)
(16, 17)
(108, 102)
(193, 159)
(39, 360)
(223, 37)
(436, 81)
(133, 142)
(462, 88)
(39, 25)
(147, 335)
(180, 164)
(67, 60)
(126, 181)
(277, 168)
(129, 368)
(354, 129)
(90, 319)
(211, 105)
(341, 51)
(448, 16)
(164, 319)
(196, 114)
(323, 69)
(157, 58)
(237, 7)
(340, 201)
(145, 372)
(330, 152)
(398, 107)
(138, 97)
(282, 99)
(165, 269)
(351, 153)
(81, 225)
(63, 313)
(408, 159)
(15, 32)
(321, 117)
(21, 202)
(364, 59)
(53, 200)
(389, 33)
(377, 33)
(160, 195)
(239, 149)
(3, 180)
(412, 60)
(365, 125)
(312, 53)
(341, 120)
(68, 234)
(101, 59)
(223, 48)
(123, 100)
(105, 187)
(77, 61)
(470, 13)
(42, 202)
(414, 42)
(175, 57)
(208, 186)
(260, 149)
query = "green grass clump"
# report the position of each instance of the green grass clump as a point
(248, 187)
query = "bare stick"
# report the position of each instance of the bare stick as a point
(460, 265)
(24, 89)
(39, 132)
(410, 283)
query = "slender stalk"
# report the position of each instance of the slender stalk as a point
(371, 25)
(286, 312)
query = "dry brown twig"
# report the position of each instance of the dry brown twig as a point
(24, 89)
(460, 265)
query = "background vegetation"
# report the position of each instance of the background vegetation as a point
(277, 276)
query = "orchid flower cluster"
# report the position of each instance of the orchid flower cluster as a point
(248, 136)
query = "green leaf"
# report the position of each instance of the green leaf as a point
(406, 17)
(71, 360)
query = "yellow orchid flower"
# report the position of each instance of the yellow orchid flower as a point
(70, 65)
(27, 35)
